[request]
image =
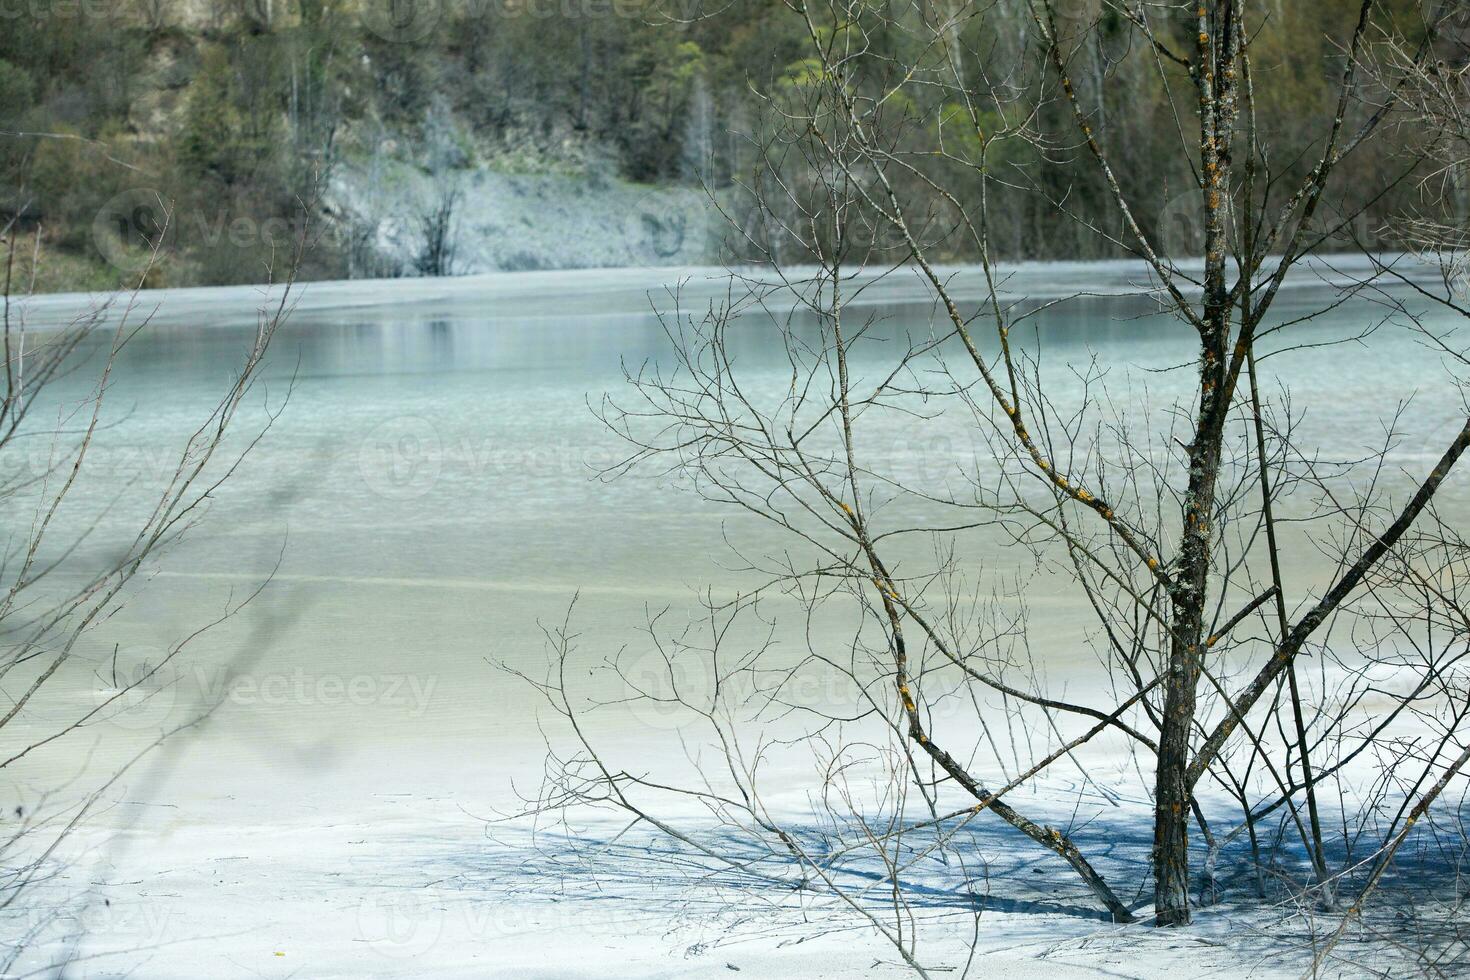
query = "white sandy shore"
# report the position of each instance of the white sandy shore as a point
(410, 886)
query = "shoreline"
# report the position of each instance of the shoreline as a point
(613, 291)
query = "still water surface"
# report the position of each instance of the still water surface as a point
(429, 494)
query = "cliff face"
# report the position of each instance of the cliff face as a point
(435, 137)
(514, 222)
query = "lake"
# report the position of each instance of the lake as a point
(429, 495)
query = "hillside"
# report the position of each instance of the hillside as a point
(441, 137)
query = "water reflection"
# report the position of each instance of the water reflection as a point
(431, 489)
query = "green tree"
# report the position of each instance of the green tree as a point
(208, 136)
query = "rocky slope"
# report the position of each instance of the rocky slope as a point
(514, 222)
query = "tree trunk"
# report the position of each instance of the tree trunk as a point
(1172, 788)
(1171, 811)
(1172, 792)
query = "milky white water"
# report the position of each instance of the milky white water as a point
(428, 496)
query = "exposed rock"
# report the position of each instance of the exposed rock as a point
(518, 222)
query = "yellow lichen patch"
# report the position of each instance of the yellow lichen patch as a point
(1153, 564)
(1084, 496)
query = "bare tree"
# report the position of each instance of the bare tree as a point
(56, 598)
(1433, 80)
(437, 217)
(438, 231)
(879, 156)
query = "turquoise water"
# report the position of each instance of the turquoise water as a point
(429, 494)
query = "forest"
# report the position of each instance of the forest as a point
(218, 127)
